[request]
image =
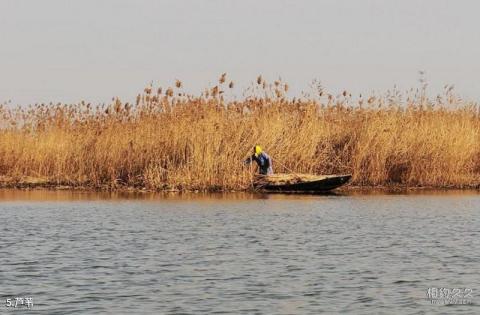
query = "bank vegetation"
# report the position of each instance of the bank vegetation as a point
(168, 140)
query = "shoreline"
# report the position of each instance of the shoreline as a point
(37, 184)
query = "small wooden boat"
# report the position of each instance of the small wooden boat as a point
(299, 182)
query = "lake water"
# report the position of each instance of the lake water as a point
(88, 253)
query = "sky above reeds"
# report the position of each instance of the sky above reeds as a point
(67, 51)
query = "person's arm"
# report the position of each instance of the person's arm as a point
(270, 165)
(248, 160)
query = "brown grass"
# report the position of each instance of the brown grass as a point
(171, 140)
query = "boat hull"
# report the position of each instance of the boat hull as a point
(313, 186)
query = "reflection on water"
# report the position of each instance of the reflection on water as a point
(124, 253)
(85, 195)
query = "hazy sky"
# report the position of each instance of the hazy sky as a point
(60, 50)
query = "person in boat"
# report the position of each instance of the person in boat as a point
(263, 160)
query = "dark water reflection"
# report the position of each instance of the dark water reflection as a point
(77, 252)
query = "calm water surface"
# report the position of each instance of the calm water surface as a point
(237, 254)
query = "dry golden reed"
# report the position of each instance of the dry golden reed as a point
(198, 143)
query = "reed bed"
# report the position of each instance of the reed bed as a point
(169, 140)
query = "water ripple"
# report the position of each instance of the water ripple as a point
(345, 254)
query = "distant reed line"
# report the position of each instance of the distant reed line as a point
(169, 140)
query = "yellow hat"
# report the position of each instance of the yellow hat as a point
(258, 150)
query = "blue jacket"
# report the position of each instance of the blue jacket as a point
(264, 163)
